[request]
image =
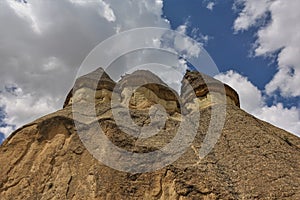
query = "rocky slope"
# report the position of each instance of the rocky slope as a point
(252, 159)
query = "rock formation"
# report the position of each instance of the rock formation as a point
(84, 86)
(252, 159)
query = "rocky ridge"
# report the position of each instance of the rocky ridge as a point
(252, 160)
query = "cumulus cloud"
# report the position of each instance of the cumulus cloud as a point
(42, 44)
(253, 101)
(23, 107)
(286, 118)
(24, 10)
(253, 11)
(250, 96)
(280, 34)
(186, 45)
(5, 132)
(104, 8)
(210, 5)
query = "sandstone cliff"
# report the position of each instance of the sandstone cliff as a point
(252, 159)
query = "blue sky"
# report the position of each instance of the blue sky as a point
(2, 124)
(253, 42)
(229, 50)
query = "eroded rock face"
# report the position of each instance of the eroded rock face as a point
(95, 84)
(142, 89)
(209, 91)
(252, 159)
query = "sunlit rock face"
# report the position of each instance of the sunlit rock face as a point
(143, 89)
(208, 91)
(95, 86)
(47, 159)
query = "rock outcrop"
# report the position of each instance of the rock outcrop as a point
(208, 90)
(142, 89)
(84, 88)
(252, 159)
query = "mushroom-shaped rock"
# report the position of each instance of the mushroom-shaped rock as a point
(208, 90)
(96, 85)
(142, 89)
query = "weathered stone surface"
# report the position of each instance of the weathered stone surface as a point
(142, 89)
(84, 86)
(208, 90)
(252, 160)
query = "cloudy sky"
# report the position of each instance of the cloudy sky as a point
(255, 44)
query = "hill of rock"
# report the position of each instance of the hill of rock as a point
(252, 159)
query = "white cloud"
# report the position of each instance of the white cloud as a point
(252, 12)
(6, 131)
(253, 101)
(286, 118)
(250, 96)
(286, 81)
(186, 45)
(210, 5)
(104, 8)
(24, 108)
(279, 35)
(25, 11)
